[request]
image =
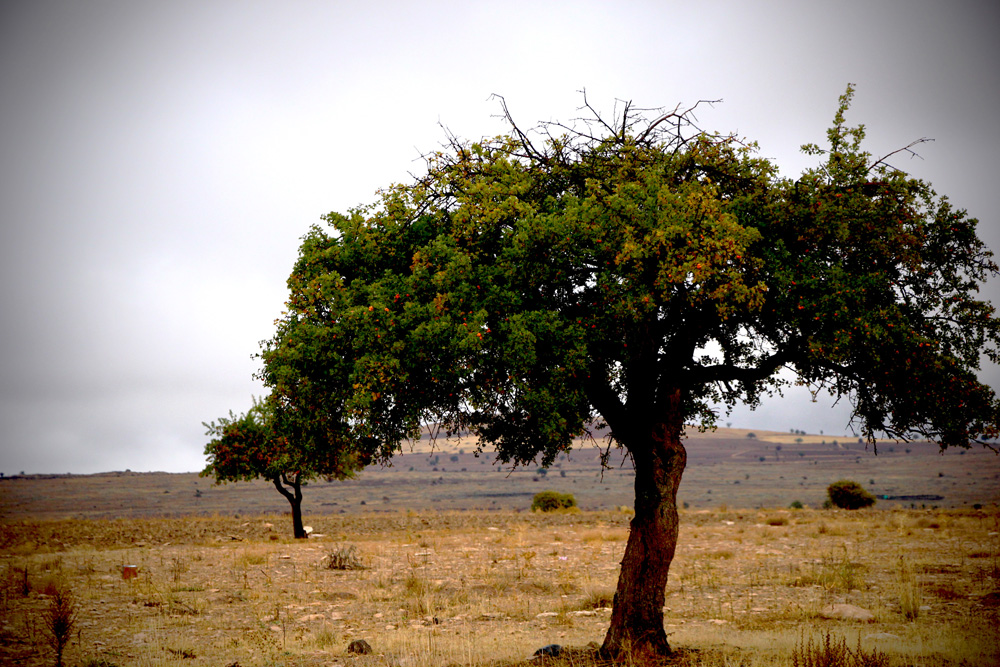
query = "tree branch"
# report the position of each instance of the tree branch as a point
(604, 399)
(763, 369)
(529, 148)
(277, 481)
(907, 148)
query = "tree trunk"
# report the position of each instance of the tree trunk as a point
(295, 500)
(636, 630)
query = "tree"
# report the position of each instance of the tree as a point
(259, 444)
(635, 274)
(849, 495)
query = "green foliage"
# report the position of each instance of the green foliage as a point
(849, 495)
(552, 501)
(258, 444)
(529, 286)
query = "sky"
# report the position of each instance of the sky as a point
(162, 160)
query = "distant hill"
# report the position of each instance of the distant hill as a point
(727, 467)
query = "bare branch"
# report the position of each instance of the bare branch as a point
(597, 116)
(682, 118)
(529, 148)
(905, 149)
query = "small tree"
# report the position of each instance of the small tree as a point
(260, 444)
(59, 618)
(849, 495)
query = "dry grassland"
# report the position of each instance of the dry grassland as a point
(481, 588)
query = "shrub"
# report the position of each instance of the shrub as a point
(796, 505)
(345, 558)
(849, 495)
(551, 501)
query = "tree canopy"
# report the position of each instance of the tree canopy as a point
(637, 274)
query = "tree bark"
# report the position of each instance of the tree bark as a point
(636, 629)
(294, 498)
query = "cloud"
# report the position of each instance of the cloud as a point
(159, 163)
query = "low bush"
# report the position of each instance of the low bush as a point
(849, 495)
(552, 501)
(344, 558)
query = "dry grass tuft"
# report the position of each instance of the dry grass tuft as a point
(344, 557)
(829, 652)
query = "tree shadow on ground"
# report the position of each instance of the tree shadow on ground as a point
(589, 656)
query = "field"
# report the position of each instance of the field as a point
(753, 583)
(724, 468)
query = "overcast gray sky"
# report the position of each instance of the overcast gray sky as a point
(161, 160)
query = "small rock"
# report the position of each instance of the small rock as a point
(308, 618)
(547, 614)
(847, 612)
(881, 635)
(359, 646)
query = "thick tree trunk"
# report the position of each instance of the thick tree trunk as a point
(636, 630)
(294, 498)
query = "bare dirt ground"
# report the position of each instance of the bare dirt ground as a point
(476, 588)
(452, 570)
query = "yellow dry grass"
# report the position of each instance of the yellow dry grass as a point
(489, 588)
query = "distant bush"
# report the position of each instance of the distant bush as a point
(849, 495)
(551, 501)
(796, 505)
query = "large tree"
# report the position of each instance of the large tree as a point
(262, 444)
(639, 274)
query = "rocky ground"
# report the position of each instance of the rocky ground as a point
(746, 587)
